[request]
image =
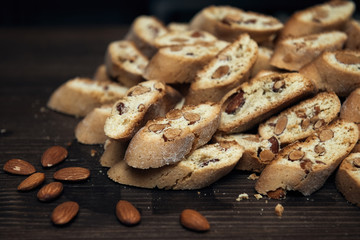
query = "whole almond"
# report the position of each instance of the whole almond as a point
(31, 182)
(53, 156)
(50, 191)
(193, 220)
(127, 213)
(19, 167)
(64, 212)
(72, 174)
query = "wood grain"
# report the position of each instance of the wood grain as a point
(37, 60)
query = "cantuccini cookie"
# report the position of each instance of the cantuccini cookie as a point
(90, 130)
(101, 74)
(125, 62)
(258, 152)
(143, 32)
(201, 168)
(253, 102)
(190, 37)
(293, 53)
(353, 32)
(328, 16)
(337, 71)
(226, 23)
(348, 178)
(143, 102)
(179, 64)
(114, 152)
(165, 141)
(305, 166)
(230, 68)
(301, 120)
(79, 96)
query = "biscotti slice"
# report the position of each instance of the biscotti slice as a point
(143, 32)
(114, 152)
(165, 141)
(295, 52)
(101, 74)
(350, 109)
(125, 62)
(142, 102)
(203, 167)
(79, 96)
(258, 152)
(90, 130)
(253, 102)
(301, 120)
(305, 166)
(190, 37)
(227, 23)
(227, 70)
(328, 16)
(178, 27)
(337, 71)
(348, 178)
(179, 64)
(353, 32)
(263, 61)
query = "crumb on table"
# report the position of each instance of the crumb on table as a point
(242, 196)
(279, 209)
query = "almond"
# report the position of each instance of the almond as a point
(296, 155)
(193, 220)
(281, 125)
(192, 117)
(31, 182)
(50, 191)
(127, 213)
(19, 167)
(64, 212)
(138, 90)
(72, 174)
(157, 127)
(174, 114)
(171, 133)
(53, 155)
(236, 101)
(266, 155)
(326, 135)
(220, 72)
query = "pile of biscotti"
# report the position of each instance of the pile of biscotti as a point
(182, 105)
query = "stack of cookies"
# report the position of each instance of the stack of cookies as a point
(182, 105)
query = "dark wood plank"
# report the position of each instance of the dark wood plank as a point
(32, 64)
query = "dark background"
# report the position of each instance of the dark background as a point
(109, 12)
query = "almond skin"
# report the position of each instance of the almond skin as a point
(53, 155)
(193, 220)
(127, 213)
(31, 182)
(19, 167)
(64, 212)
(50, 191)
(72, 174)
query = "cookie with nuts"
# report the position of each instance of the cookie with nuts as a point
(293, 53)
(179, 64)
(331, 15)
(230, 68)
(305, 166)
(303, 119)
(125, 63)
(143, 102)
(143, 32)
(348, 178)
(227, 23)
(337, 71)
(201, 168)
(169, 139)
(254, 101)
(79, 96)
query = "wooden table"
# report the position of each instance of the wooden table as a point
(33, 62)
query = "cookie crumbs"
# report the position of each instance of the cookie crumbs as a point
(242, 196)
(93, 152)
(3, 131)
(258, 196)
(279, 209)
(253, 176)
(42, 109)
